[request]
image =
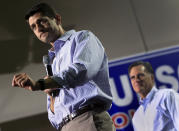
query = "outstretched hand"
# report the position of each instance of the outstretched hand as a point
(22, 80)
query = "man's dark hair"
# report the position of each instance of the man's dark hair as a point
(147, 65)
(43, 8)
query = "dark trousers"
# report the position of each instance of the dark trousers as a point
(90, 121)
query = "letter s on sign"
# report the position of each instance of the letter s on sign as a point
(164, 75)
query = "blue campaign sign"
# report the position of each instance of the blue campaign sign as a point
(165, 63)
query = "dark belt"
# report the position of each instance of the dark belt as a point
(73, 115)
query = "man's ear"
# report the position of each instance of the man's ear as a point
(58, 19)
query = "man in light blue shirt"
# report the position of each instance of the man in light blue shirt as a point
(79, 93)
(159, 108)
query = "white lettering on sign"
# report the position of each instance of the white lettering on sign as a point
(128, 96)
(164, 75)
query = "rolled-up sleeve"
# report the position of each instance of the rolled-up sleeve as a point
(89, 52)
(87, 58)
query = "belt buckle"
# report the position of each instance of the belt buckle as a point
(67, 119)
(73, 115)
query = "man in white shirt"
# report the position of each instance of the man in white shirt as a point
(159, 109)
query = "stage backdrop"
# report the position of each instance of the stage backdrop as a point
(165, 63)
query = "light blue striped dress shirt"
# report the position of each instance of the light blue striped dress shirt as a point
(159, 111)
(79, 63)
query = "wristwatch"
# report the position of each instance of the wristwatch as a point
(41, 84)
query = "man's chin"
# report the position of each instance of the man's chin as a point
(138, 89)
(44, 40)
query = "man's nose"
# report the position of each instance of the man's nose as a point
(40, 27)
(137, 78)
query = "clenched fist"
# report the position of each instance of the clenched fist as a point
(22, 80)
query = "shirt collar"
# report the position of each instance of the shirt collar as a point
(59, 43)
(66, 36)
(149, 97)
